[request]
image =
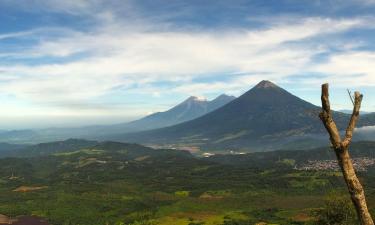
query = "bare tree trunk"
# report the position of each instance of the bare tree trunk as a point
(342, 152)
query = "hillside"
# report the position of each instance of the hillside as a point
(49, 148)
(5, 147)
(120, 183)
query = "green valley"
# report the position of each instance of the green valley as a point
(117, 183)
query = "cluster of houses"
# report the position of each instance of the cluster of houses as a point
(360, 164)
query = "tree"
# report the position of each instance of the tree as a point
(338, 210)
(341, 148)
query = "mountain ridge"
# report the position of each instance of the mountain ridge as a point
(191, 108)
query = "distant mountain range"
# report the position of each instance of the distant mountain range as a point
(191, 108)
(265, 117)
(80, 148)
(42, 149)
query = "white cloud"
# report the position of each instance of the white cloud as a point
(14, 35)
(350, 68)
(365, 133)
(128, 57)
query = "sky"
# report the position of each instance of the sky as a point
(80, 62)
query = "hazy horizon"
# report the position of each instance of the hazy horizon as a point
(71, 121)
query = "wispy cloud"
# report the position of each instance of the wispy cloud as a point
(355, 68)
(127, 58)
(15, 35)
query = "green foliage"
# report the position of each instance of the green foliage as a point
(288, 162)
(338, 210)
(123, 184)
(182, 193)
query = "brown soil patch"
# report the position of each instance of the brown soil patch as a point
(195, 216)
(5, 220)
(302, 217)
(23, 220)
(210, 197)
(141, 158)
(29, 189)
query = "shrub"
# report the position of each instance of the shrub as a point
(338, 210)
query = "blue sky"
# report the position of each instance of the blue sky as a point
(76, 62)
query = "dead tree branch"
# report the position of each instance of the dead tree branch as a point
(342, 152)
(350, 96)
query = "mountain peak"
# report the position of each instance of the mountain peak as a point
(224, 97)
(196, 99)
(266, 84)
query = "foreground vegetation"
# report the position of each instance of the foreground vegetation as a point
(115, 183)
